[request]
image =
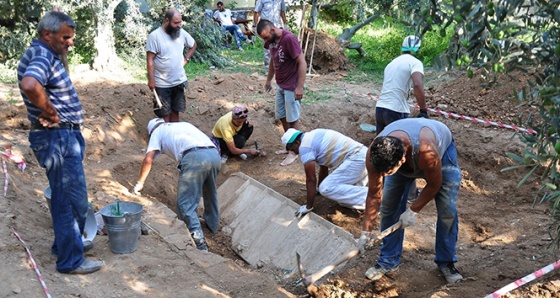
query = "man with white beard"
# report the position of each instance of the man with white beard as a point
(166, 73)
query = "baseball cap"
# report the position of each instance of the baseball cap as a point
(290, 135)
(239, 112)
(152, 124)
(411, 43)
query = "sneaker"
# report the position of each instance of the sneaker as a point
(88, 266)
(224, 158)
(249, 41)
(240, 49)
(200, 244)
(376, 272)
(451, 273)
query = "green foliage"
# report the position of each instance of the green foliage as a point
(382, 40)
(503, 36)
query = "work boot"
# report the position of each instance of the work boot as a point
(451, 273)
(88, 266)
(376, 272)
(240, 49)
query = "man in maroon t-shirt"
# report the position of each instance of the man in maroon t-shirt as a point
(288, 63)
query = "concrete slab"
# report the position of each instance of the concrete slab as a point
(265, 230)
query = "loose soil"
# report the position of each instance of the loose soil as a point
(501, 236)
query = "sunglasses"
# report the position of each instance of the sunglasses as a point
(242, 114)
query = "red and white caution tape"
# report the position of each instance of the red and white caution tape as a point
(17, 159)
(524, 280)
(34, 264)
(7, 179)
(514, 127)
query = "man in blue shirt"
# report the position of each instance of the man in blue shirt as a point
(55, 112)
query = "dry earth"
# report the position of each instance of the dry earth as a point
(502, 237)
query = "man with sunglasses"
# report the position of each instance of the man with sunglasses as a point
(231, 132)
(199, 165)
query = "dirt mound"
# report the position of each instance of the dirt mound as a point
(328, 55)
(501, 237)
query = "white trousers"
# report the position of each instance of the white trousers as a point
(346, 185)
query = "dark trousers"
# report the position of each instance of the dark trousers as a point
(239, 139)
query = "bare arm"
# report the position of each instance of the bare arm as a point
(255, 18)
(323, 173)
(374, 196)
(237, 151)
(310, 183)
(35, 92)
(146, 166)
(283, 16)
(429, 161)
(190, 53)
(419, 89)
(302, 68)
(150, 66)
(269, 76)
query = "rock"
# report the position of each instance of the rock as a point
(219, 81)
(202, 110)
(16, 290)
(251, 88)
(254, 75)
(192, 95)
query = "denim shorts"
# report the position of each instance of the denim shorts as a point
(286, 105)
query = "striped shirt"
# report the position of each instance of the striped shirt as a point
(43, 64)
(326, 147)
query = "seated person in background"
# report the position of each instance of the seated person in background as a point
(231, 132)
(223, 16)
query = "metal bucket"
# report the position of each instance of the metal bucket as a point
(90, 228)
(123, 229)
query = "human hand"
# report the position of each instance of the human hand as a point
(49, 119)
(152, 85)
(298, 93)
(138, 188)
(365, 237)
(267, 87)
(408, 218)
(303, 211)
(423, 114)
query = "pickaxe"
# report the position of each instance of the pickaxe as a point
(158, 102)
(309, 280)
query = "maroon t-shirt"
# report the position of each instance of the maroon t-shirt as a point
(284, 54)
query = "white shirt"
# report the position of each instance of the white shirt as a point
(173, 138)
(270, 10)
(168, 63)
(224, 17)
(397, 81)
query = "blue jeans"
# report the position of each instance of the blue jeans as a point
(198, 171)
(237, 34)
(384, 117)
(395, 194)
(60, 152)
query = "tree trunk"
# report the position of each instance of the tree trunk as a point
(105, 39)
(344, 38)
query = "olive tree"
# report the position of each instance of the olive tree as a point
(496, 37)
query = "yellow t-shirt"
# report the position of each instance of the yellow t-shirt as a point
(224, 128)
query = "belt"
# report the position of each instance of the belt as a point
(62, 125)
(195, 149)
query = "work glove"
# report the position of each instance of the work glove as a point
(408, 218)
(138, 188)
(423, 114)
(303, 211)
(365, 237)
